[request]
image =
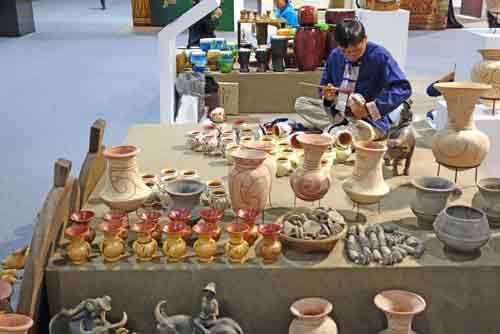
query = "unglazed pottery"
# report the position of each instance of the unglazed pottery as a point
(236, 248)
(244, 60)
(462, 228)
(13, 323)
(490, 191)
(279, 45)
(228, 153)
(112, 247)
(310, 182)
(270, 247)
(174, 247)
(189, 174)
(179, 216)
(78, 249)
(218, 200)
(205, 247)
(487, 71)
(84, 217)
(145, 246)
(431, 197)
(399, 307)
(312, 317)
(283, 167)
(309, 48)
(308, 16)
(269, 148)
(249, 181)
(460, 145)
(291, 155)
(249, 217)
(214, 184)
(367, 184)
(124, 189)
(184, 193)
(212, 216)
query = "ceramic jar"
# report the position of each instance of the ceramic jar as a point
(112, 247)
(205, 247)
(78, 249)
(5, 294)
(367, 184)
(226, 61)
(399, 307)
(212, 216)
(174, 247)
(189, 174)
(308, 16)
(213, 185)
(249, 216)
(236, 248)
(212, 59)
(12, 323)
(282, 130)
(199, 61)
(462, 228)
(269, 148)
(152, 216)
(118, 217)
(244, 60)
(279, 45)
(249, 181)
(145, 246)
(84, 217)
(270, 247)
(183, 193)
(310, 182)
(218, 43)
(261, 54)
(182, 216)
(487, 71)
(209, 144)
(124, 189)
(193, 140)
(431, 197)
(490, 193)
(308, 48)
(312, 317)
(218, 200)
(206, 44)
(283, 167)
(336, 15)
(460, 145)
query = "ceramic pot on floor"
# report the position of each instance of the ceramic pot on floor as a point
(309, 49)
(174, 247)
(460, 145)
(312, 317)
(244, 59)
(279, 45)
(487, 71)
(399, 307)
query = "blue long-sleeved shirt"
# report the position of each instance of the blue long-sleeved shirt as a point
(432, 91)
(288, 13)
(380, 81)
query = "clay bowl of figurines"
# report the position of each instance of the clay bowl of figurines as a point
(312, 230)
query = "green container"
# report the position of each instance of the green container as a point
(226, 61)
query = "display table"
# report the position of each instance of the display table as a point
(389, 29)
(269, 92)
(461, 293)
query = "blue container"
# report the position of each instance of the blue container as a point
(219, 43)
(206, 43)
(199, 61)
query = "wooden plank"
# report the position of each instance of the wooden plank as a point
(229, 96)
(53, 215)
(94, 165)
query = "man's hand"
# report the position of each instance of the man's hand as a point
(217, 14)
(330, 93)
(357, 104)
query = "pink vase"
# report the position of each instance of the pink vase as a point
(399, 307)
(249, 180)
(311, 182)
(312, 317)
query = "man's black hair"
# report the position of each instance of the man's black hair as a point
(349, 32)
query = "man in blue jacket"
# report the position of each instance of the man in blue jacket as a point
(286, 11)
(361, 68)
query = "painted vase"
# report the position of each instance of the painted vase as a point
(112, 247)
(312, 317)
(399, 307)
(174, 247)
(249, 217)
(487, 71)
(244, 60)
(308, 16)
(310, 182)
(209, 144)
(179, 216)
(279, 45)
(219, 201)
(13, 323)
(460, 145)
(249, 181)
(205, 247)
(236, 248)
(199, 61)
(367, 184)
(206, 44)
(124, 189)
(145, 246)
(84, 217)
(193, 140)
(308, 48)
(270, 247)
(5, 294)
(284, 167)
(152, 216)
(213, 216)
(78, 249)
(226, 61)
(119, 217)
(212, 59)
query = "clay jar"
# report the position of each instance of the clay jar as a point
(431, 197)
(124, 189)
(145, 247)
(13, 323)
(399, 307)
(205, 247)
(174, 247)
(462, 228)
(283, 167)
(490, 191)
(244, 60)
(152, 217)
(84, 217)
(249, 181)
(310, 182)
(309, 48)
(261, 54)
(212, 216)
(312, 317)
(249, 217)
(236, 248)
(279, 45)
(219, 201)
(460, 145)
(182, 215)
(119, 217)
(367, 184)
(264, 146)
(184, 193)
(112, 247)
(78, 249)
(308, 16)
(270, 247)
(487, 71)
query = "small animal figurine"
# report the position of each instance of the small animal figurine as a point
(401, 141)
(218, 115)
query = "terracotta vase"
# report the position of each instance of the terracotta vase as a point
(78, 249)
(152, 216)
(460, 145)
(336, 15)
(249, 181)
(249, 216)
(367, 184)
(279, 45)
(399, 307)
(310, 182)
(236, 248)
(262, 56)
(493, 5)
(212, 216)
(124, 189)
(270, 247)
(269, 148)
(182, 215)
(308, 16)
(308, 47)
(112, 247)
(118, 216)
(84, 217)
(13, 323)
(174, 247)
(487, 71)
(244, 60)
(205, 247)
(312, 317)
(5, 294)
(145, 247)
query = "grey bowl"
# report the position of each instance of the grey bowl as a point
(183, 193)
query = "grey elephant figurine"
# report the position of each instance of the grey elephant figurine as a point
(401, 141)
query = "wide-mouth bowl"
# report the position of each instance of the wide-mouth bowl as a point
(219, 193)
(311, 308)
(83, 216)
(260, 145)
(211, 215)
(370, 146)
(236, 227)
(110, 226)
(185, 187)
(12, 322)
(143, 227)
(115, 216)
(188, 172)
(175, 227)
(182, 214)
(124, 151)
(464, 214)
(76, 230)
(269, 229)
(433, 183)
(247, 214)
(214, 183)
(491, 185)
(400, 302)
(150, 215)
(249, 154)
(315, 139)
(204, 228)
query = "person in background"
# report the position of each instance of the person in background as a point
(103, 4)
(433, 92)
(204, 28)
(286, 11)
